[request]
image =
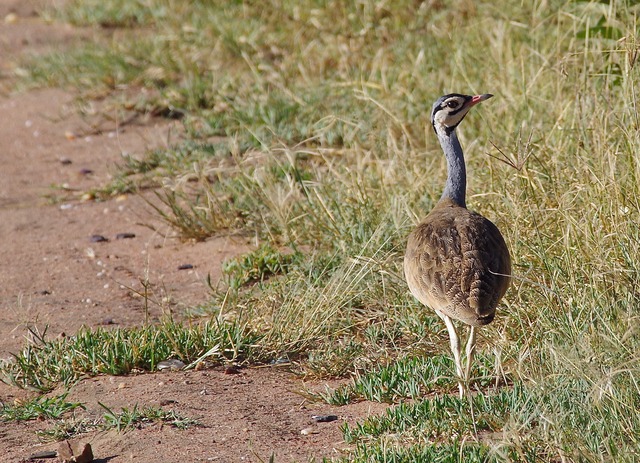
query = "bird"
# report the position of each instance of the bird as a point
(457, 261)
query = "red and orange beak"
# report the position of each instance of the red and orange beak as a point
(479, 99)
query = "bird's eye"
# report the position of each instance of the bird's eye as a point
(453, 104)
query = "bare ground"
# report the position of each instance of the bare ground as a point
(53, 276)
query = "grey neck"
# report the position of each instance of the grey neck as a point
(455, 188)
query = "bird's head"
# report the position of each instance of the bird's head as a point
(449, 110)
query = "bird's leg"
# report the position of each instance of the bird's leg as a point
(469, 351)
(455, 349)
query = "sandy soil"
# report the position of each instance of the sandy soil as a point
(54, 276)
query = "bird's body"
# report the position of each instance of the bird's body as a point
(457, 262)
(454, 264)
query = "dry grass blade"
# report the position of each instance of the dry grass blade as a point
(521, 153)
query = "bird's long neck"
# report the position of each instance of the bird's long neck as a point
(455, 188)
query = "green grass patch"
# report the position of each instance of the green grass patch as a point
(408, 378)
(38, 408)
(112, 14)
(126, 419)
(131, 418)
(513, 424)
(69, 428)
(43, 364)
(258, 265)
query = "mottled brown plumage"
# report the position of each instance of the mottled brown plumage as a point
(457, 262)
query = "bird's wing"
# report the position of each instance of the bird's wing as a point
(455, 262)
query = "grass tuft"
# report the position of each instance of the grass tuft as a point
(135, 417)
(44, 363)
(38, 408)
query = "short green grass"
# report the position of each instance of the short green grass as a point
(45, 363)
(55, 410)
(308, 130)
(130, 418)
(38, 408)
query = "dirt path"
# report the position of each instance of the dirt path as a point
(53, 275)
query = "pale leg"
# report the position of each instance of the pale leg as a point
(455, 349)
(469, 351)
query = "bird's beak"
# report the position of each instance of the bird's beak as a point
(479, 98)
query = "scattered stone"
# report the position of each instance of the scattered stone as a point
(107, 321)
(65, 161)
(125, 236)
(232, 370)
(98, 239)
(307, 431)
(11, 18)
(75, 452)
(280, 361)
(85, 171)
(185, 267)
(168, 402)
(203, 365)
(171, 365)
(324, 418)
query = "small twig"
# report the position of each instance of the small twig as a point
(518, 160)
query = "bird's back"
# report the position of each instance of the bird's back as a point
(457, 262)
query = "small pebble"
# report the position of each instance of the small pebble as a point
(12, 18)
(85, 171)
(307, 431)
(65, 161)
(124, 236)
(280, 361)
(232, 370)
(73, 451)
(185, 267)
(171, 364)
(168, 402)
(98, 239)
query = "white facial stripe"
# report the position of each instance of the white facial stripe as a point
(444, 118)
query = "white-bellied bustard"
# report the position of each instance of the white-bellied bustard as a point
(457, 262)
